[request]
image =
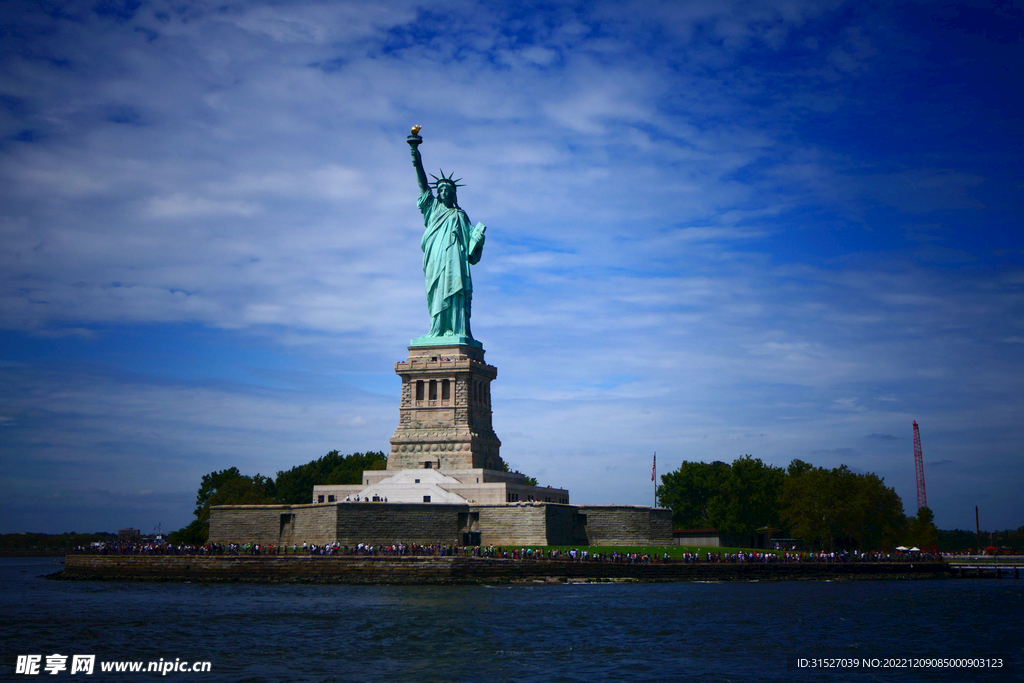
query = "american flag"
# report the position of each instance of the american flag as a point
(654, 466)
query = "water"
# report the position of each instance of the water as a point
(585, 633)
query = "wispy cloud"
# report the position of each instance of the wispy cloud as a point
(713, 228)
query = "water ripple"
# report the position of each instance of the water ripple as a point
(578, 633)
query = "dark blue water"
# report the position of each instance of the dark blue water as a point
(584, 633)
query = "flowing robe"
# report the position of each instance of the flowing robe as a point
(450, 245)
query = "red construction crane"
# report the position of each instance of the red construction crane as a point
(922, 497)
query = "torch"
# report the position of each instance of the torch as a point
(414, 139)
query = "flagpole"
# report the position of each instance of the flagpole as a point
(654, 477)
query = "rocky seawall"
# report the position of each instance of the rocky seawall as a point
(461, 570)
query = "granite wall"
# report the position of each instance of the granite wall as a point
(247, 523)
(627, 525)
(384, 523)
(525, 524)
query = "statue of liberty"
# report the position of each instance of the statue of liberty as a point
(450, 246)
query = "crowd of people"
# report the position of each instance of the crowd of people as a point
(794, 556)
(494, 552)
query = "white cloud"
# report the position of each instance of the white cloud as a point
(181, 205)
(669, 263)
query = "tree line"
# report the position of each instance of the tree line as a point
(960, 540)
(831, 509)
(291, 487)
(835, 509)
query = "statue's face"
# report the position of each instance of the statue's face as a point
(446, 193)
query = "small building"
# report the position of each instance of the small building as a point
(430, 485)
(706, 538)
(761, 539)
(128, 534)
(784, 544)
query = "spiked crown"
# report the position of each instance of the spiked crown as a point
(445, 180)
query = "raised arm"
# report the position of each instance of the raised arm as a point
(414, 141)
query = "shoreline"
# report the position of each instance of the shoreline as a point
(433, 570)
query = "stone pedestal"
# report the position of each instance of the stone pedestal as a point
(445, 413)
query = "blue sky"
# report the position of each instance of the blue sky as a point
(786, 229)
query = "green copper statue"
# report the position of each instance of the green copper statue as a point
(450, 245)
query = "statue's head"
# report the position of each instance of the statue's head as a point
(446, 192)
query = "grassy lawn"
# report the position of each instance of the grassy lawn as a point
(674, 551)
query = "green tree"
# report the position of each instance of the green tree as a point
(735, 499)
(224, 487)
(798, 467)
(695, 493)
(750, 499)
(840, 509)
(295, 486)
(880, 519)
(530, 481)
(208, 486)
(230, 487)
(254, 490)
(807, 504)
(922, 531)
(195, 533)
